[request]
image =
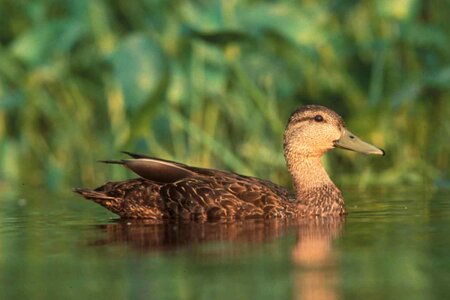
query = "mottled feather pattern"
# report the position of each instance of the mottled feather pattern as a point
(202, 198)
(330, 202)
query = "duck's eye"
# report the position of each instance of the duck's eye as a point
(318, 118)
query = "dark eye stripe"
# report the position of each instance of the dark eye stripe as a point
(309, 119)
(317, 118)
(303, 119)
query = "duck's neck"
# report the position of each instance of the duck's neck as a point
(308, 173)
(314, 188)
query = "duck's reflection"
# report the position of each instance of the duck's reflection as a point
(317, 268)
(144, 236)
(318, 273)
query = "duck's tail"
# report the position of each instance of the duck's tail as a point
(97, 196)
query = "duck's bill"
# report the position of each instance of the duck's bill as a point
(350, 141)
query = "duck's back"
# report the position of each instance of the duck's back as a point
(169, 190)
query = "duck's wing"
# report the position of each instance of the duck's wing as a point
(138, 156)
(155, 169)
(227, 195)
(165, 171)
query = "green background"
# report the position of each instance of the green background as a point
(212, 83)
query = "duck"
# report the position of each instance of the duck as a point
(168, 190)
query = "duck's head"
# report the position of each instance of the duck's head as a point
(312, 130)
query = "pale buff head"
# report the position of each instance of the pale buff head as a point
(312, 130)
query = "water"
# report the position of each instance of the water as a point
(392, 245)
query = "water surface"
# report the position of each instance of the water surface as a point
(392, 245)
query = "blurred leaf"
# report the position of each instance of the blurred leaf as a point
(12, 100)
(301, 25)
(139, 68)
(440, 78)
(40, 44)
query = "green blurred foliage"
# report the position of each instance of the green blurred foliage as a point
(212, 83)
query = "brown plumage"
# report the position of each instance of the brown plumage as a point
(171, 190)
